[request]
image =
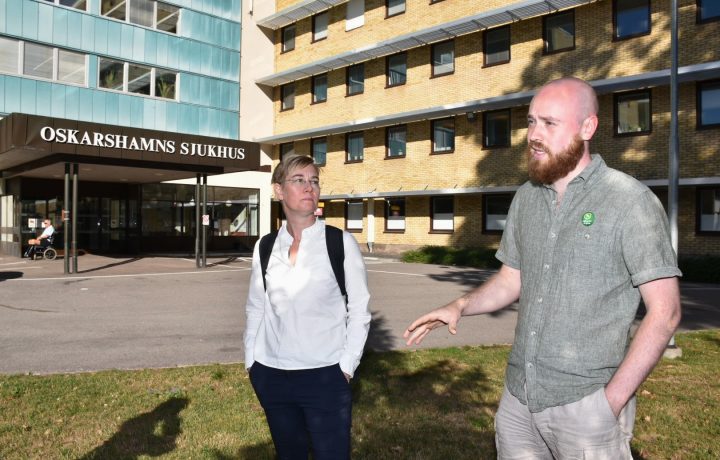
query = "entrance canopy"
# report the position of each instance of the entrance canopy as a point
(36, 146)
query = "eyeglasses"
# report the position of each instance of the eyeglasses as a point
(301, 182)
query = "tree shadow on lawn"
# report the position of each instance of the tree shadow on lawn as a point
(137, 436)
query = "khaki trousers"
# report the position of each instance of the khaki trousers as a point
(584, 429)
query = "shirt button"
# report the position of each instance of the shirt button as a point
(529, 365)
(546, 266)
(552, 235)
(539, 299)
(532, 333)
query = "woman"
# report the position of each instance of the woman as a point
(303, 341)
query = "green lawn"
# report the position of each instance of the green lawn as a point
(428, 404)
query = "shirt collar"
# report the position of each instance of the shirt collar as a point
(311, 231)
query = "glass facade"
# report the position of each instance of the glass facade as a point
(172, 65)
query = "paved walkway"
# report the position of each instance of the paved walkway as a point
(163, 311)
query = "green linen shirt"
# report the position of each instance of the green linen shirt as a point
(580, 266)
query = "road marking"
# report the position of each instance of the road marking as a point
(398, 273)
(14, 263)
(128, 276)
(24, 268)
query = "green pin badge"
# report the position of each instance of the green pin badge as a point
(588, 218)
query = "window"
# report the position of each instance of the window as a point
(287, 96)
(288, 148)
(77, 4)
(496, 46)
(71, 67)
(319, 151)
(395, 141)
(443, 213)
(633, 113)
(111, 74)
(496, 127)
(354, 145)
(559, 31)
(354, 216)
(320, 26)
(443, 140)
(709, 212)
(443, 58)
(395, 215)
(355, 79)
(495, 211)
(38, 61)
(288, 38)
(394, 7)
(122, 76)
(139, 79)
(396, 69)
(148, 13)
(165, 84)
(319, 88)
(9, 55)
(708, 10)
(355, 14)
(708, 104)
(631, 18)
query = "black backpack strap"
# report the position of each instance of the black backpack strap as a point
(336, 251)
(266, 245)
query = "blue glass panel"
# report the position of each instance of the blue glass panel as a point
(12, 94)
(28, 96)
(101, 35)
(233, 97)
(59, 27)
(189, 88)
(173, 51)
(125, 111)
(72, 102)
(58, 100)
(3, 20)
(2, 93)
(74, 26)
(206, 121)
(45, 22)
(136, 112)
(151, 47)
(139, 44)
(205, 90)
(86, 105)
(188, 57)
(13, 11)
(99, 104)
(234, 66)
(171, 116)
(44, 98)
(185, 118)
(92, 71)
(126, 41)
(112, 108)
(114, 38)
(161, 57)
(236, 9)
(148, 113)
(160, 115)
(29, 19)
(207, 53)
(88, 31)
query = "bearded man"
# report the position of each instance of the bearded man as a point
(583, 243)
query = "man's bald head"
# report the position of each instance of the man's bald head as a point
(575, 91)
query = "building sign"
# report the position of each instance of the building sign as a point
(147, 144)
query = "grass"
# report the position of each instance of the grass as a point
(701, 269)
(423, 404)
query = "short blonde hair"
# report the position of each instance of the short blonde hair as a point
(290, 163)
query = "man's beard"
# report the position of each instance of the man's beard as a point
(557, 164)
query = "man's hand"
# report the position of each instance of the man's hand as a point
(347, 377)
(416, 332)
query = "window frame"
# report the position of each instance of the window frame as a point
(349, 25)
(698, 15)
(546, 42)
(314, 95)
(283, 48)
(616, 112)
(282, 96)
(700, 86)
(282, 146)
(312, 150)
(387, 69)
(387, 141)
(486, 116)
(347, 147)
(315, 39)
(387, 9)
(433, 47)
(698, 211)
(387, 215)
(485, 197)
(615, 12)
(57, 2)
(347, 215)
(485, 42)
(433, 150)
(154, 25)
(347, 79)
(433, 199)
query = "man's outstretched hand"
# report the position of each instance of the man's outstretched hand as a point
(416, 332)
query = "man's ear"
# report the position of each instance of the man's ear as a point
(588, 128)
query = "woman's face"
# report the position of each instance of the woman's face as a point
(300, 191)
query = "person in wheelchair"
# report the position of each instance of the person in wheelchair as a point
(43, 243)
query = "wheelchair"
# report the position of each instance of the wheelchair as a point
(46, 251)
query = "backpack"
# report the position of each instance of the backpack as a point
(336, 251)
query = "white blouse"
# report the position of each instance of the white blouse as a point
(301, 321)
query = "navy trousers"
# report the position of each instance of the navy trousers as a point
(309, 409)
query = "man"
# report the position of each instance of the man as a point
(48, 231)
(582, 244)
